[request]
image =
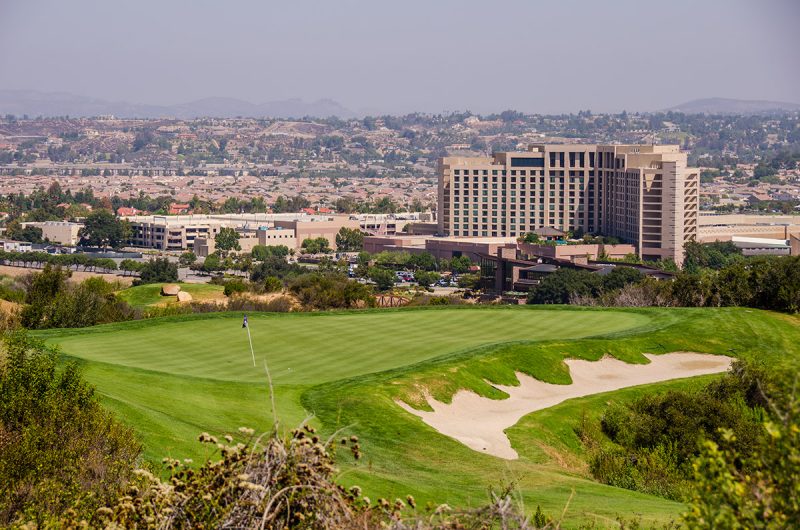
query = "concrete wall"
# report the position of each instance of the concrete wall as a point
(273, 237)
(60, 232)
(575, 252)
(327, 229)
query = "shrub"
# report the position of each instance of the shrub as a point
(58, 448)
(272, 284)
(54, 303)
(331, 290)
(235, 286)
(656, 437)
(758, 487)
(277, 482)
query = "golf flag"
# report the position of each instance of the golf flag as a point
(244, 322)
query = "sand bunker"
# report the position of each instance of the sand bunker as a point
(479, 422)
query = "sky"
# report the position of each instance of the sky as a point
(409, 55)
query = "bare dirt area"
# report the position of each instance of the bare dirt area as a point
(77, 276)
(480, 423)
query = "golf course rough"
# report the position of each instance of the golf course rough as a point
(175, 377)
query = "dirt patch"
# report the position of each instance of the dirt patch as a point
(480, 423)
(77, 276)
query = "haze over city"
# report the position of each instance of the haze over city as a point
(399, 57)
(338, 265)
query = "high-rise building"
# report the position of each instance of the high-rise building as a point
(643, 194)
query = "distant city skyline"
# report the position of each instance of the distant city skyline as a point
(375, 57)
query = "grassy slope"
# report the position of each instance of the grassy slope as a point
(349, 367)
(143, 296)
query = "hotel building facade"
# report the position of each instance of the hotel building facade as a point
(643, 194)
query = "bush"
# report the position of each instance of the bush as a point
(331, 290)
(656, 437)
(58, 448)
(51, 302)
(272, 284)
(755, 487)
(11, 291)
(235, 286)
(277, 482)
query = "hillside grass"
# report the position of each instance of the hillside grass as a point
(149, 295)
(175, 377)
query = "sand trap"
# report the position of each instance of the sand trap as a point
(479, 422)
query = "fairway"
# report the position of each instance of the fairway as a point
(172, 378)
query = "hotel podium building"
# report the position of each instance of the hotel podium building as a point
(644, 195)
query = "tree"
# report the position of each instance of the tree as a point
(460, 264)
(103, 229)
(560, 286)
(226, 240)
(187, 259)
(425, 278)
(212, 263)
(31, 234)
(159, 270)
(383, 278)
(263, 252)
(41, 292)
(130, 265)
(316, 245)
(349, 240)
(424, 261)
(531, 238)
(277, 267)
(619, 277)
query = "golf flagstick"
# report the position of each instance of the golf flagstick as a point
(250, 340)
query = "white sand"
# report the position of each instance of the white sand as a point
(479, 422)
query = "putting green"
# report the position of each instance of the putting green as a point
(175, 377)
(316, 348)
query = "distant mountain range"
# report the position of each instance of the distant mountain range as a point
(734, 106)
(33, 103)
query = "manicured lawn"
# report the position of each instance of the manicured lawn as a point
(143, 296)
(176, 377)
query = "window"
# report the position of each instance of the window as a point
(527, 162)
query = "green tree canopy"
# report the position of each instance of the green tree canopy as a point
(227, 240)
(316, 245)
(349, 240)
(158, 270)
(103, 229)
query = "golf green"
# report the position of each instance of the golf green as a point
(316, 348)
(173, 378)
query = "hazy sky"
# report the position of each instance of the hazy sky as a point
(407, 55)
